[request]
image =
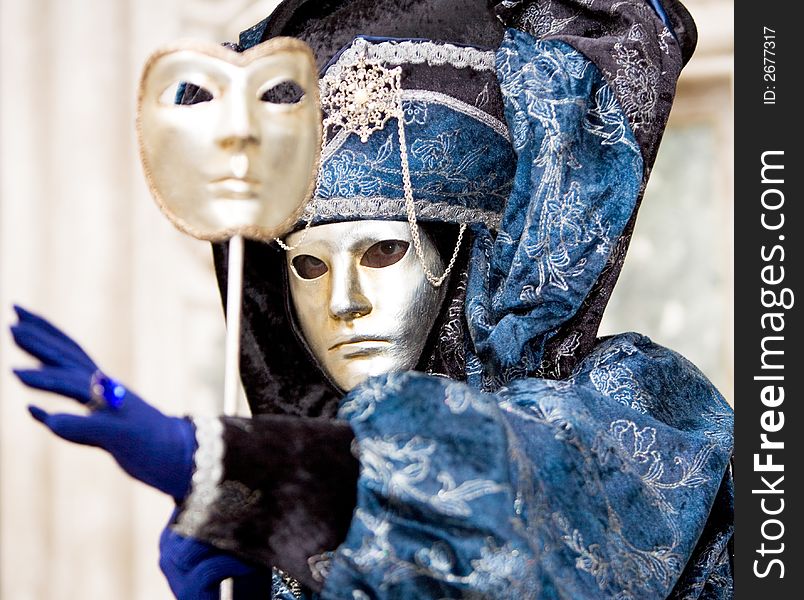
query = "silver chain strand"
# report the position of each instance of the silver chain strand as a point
(411, 209)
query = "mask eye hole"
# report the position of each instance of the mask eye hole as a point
(285, 92)
(384, 254)
(184, 93)
(309, 267)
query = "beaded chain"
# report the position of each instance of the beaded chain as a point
(410, 210)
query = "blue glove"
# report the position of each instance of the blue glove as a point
(195, 570)
(149, 446)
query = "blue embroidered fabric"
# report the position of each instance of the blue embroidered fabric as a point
(577, 182)
(600, 485)
(459, 153)
(460, 167)
(596, 486)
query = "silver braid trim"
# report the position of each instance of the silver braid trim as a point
(432, 97)
(416, 53)
(331, 147)
(207, 477)
(382, 207)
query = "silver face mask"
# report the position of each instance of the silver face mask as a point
(243, 162)
(362, 298)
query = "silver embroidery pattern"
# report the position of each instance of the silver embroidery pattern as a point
(560, 233)
(282, 582)
(620, 568)
(612, 378)
(565, 224)
(498, 572)
(606, 120)
(637, 444)
(483, 97)
(637, 79)
(351, 173)
(721, 420)
(539, 19)
(398, 466)
(361, 403)
(206, 479)
(459, 398)
(617, 381)
(406, 470)
(665, 38)
(551, 368)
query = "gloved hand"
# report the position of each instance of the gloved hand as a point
(195, 570)
(149, 446)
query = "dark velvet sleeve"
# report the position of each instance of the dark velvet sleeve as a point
(275, 490)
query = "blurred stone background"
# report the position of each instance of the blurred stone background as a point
(81, 242)
(677, 285)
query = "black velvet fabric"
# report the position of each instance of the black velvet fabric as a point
(288, 491)
(330, 25)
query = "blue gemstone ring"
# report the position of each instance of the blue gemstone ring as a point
(105, 392)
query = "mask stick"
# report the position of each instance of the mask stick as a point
(231, 377)
(234, 301)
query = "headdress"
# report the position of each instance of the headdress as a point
(459, 164)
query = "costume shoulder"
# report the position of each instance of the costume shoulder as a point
(598, 486)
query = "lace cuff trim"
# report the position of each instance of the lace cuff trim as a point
(206, 478)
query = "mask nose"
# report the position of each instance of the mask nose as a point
(239, 126)
(347, 300)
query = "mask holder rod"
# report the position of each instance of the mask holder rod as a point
(234, 301)
(231, 376)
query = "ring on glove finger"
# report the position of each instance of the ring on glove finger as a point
(105, 392)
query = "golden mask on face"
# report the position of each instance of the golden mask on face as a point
(361, 297)
(244, 161)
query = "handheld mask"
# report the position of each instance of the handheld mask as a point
(242, 162)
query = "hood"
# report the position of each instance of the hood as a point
(585, 92)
